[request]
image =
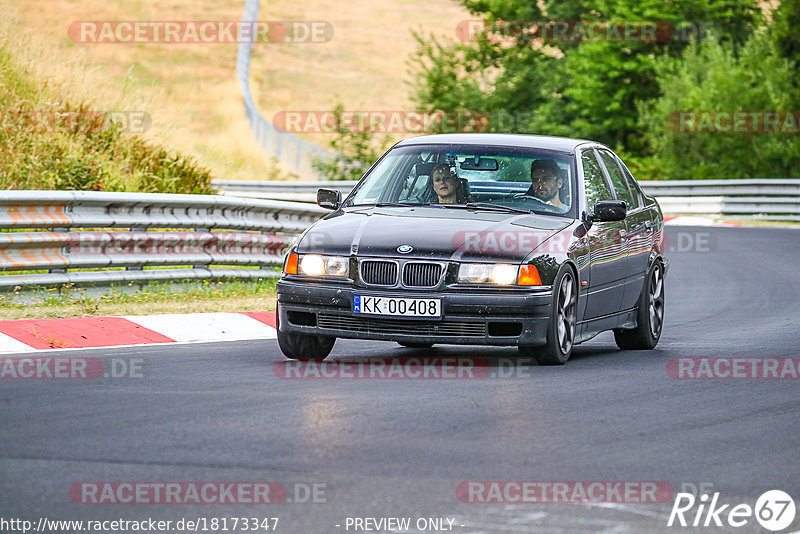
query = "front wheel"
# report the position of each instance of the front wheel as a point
(650, 317)
(304, 347)
(563, 318)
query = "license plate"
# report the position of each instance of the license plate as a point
(399, 307)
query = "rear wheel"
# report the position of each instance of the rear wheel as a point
(650, 317)
(563, 318)
(304, 347)
(415, 345)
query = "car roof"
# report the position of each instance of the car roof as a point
(561, 144)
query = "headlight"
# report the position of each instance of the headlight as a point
(504, 275)
(312, 265)
(501, 274)
(317, 265)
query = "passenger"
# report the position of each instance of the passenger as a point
(546, 183)
(447, 186)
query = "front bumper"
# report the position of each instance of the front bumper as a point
(469, 317)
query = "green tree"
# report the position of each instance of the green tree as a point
(574, 88)
(712, 77)
(786, 21)
(354, 151)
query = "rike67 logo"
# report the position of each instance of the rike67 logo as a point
(774, 510)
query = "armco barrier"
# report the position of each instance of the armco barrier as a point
(748, 187)
(760, 198)
(293, 191)
(97, 230)
(59, 231)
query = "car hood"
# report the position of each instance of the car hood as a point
(433, 233)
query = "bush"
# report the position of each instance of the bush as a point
(354, 153)
(74, 148)
(711, 77)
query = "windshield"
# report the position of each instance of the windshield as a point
(469, 176)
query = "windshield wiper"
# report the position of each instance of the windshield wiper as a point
(469, 205)
(398, 204)
(485, 206)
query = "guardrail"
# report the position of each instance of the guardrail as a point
(759, 198)
(131, 237)
(716, 188)
(293, 191)
(775, 199)
(62, 230)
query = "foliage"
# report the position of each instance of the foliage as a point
(786, 21)
(575, 88)
(354, 151)
(712, 77)
(48, 143)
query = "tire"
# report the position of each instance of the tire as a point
(410, 345)
(304, 347)
(650, 315)
(563, 320)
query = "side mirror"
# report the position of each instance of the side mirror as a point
(329, 198)
(609, 210)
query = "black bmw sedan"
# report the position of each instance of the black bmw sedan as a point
(480, 239)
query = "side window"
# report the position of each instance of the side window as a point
(594, 180)
(415, 186)
(617, 178)
(633, 186)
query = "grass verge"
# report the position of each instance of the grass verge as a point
(192, 90)
(154, 298)
(48, 141)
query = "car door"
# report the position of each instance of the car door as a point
(637, 235)
(608, 265)
(646, 222)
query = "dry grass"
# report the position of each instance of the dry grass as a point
(191, 90)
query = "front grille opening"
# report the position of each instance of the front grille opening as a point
(452, 328)
(302, 318)
(421, 274)
(505, 329)
(379, 273)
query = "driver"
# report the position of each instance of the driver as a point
(546, 183)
